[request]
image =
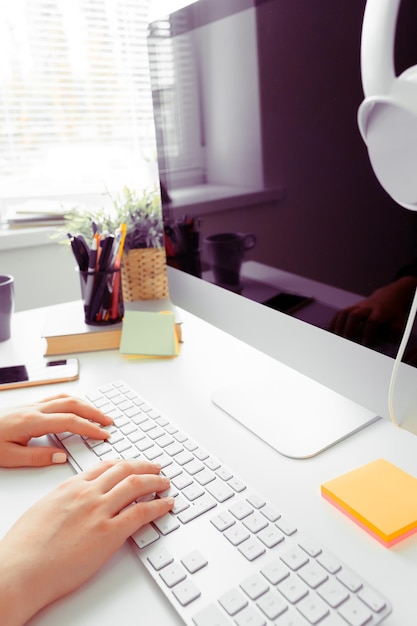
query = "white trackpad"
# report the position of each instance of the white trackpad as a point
(295, 415)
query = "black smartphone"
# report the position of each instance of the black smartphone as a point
(287, 302)
(38, 373)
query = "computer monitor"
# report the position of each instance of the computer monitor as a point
(255, 107)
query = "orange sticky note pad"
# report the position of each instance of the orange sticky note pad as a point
(380, 497)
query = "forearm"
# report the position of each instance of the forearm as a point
(18, 601)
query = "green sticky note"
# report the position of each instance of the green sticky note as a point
(148, 333)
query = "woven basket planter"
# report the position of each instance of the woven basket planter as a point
(144, 275)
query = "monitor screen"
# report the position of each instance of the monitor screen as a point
(268, 194)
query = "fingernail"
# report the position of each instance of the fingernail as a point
(171, 501)
(59, 457)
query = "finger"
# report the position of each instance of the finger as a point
(55, 397)
(62, 422)
(122, 469)
(76, 406)
(103, 466)
(133, 518)
(337, 324)
(132, 488)
(31, 456)
(355, 324)
(370, 331)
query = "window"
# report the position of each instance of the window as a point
(76, 117)
(174, 70)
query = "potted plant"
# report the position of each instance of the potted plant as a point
(143, 265)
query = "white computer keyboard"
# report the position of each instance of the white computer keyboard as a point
(224, 555)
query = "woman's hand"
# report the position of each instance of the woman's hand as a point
(385, 310)
(53, 415)
(67, 536)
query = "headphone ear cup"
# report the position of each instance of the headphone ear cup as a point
(389, 128)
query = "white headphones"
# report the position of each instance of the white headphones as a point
(387, 118)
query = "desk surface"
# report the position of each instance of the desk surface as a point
(182, 388)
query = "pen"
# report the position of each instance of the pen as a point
(101, 283)
(80, 250)
(116, 280)
(90, 276)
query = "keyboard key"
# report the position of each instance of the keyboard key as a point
(233, 601)
(200, 506)
(172, 574)
(333, 592)
(275, 572)
(180, 504)
(80, 452)
(182, 481)
(166, 524)
(237, 534)
(145, 536)
(270, 536)
(313, 574)
(349, 579)
(295, 558)
(272, 604)
(372, 599)
(103, 448)
(329, 562)
(355, 612)
(241, 509)
(236, 484)
(256, 500)
(251, 549)
(194, 561)
(293, 589)
(193, 491)
(204, 477)
(223, 521)
(255, 522)
(219, 490)
(313, 608)
(211, 615)
(159, 558)
(186, 592)
(254, 586)
(286, 526)
(250, 617)
(270, 513)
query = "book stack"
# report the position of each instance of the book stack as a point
(65, 331)
(36, 214)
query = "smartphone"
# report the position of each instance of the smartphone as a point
(287, 302)
(38, 373)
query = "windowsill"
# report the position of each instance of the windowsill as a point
(203, 199)
(194, 201)
(25, 237)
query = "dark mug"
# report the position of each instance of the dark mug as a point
(6, 305)
(225, 252)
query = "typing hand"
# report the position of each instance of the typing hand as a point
(382, 314)
(67, 536)
(53, 415)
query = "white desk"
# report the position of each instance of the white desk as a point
(181, 388)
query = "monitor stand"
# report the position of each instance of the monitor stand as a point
(293, 414)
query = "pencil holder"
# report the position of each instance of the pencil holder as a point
(102, 295)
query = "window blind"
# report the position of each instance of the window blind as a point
(174, 69)
(76, 110)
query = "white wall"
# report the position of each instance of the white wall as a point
(43, 270)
